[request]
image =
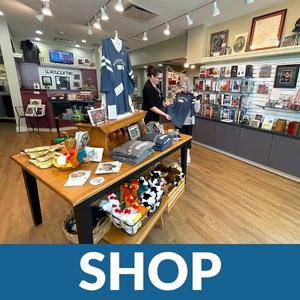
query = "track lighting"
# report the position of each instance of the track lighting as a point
(186, 65)
(145, 38)
(83, 41)
(119, 6)
(189, 20)
(77, 46)
(1, 13)
(46, 9)
(40, 17)
(249, 1)
(193, 66)
(37, 39)
(89, 31)
(216, 10)
(167, 30)
(104, 15)
(97, 24)
(39, 32)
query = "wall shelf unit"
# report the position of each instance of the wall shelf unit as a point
(282, 51)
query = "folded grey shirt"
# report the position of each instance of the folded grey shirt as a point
(133, 148)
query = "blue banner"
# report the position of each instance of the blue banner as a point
(150, 272)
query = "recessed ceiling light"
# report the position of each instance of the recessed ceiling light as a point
(1, 13)
(37, 39)
(83, 41)
(77, 46)
(39, 32)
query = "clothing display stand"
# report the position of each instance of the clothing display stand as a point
(110, 134)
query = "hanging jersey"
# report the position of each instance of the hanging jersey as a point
(183, 105)
(117, 78)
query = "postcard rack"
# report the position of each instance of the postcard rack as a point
(111, 134)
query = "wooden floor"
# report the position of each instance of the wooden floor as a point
(226, 201)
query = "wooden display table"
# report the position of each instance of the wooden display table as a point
(80, 198)
(107, 135)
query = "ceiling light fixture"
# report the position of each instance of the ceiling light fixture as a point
(83, 41)
(167, 30)
(186, 65)
(119, 6)
(189, 20)
(145, 37)
(216, 10)
(77, 46)
(249, 1)
(104, 15)
(37, 39)
(46, 9)
(89, 29)
(1, 13)
(40, 17)
(193, 66)
(39, 32)
(97, 24)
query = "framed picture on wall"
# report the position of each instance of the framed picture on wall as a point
(46, 80)
(266, 31)
(30, 110)
(40, 110)
(286, 76)
(76, 76)
(290, 40)
(80, 61)
(35, 101)
(217, 42)
(62, 82)
(240, 42)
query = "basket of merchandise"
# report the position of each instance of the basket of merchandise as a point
(175, 193)
(101, 224)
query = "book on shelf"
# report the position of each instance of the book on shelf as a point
(235, 101)
(265, 71)
(275, 95)
(224, 86)
(262, 88)
(212, 99)
(217, 72)
(245, 102)
(207, 98)
(228, 71)
(209, 112)
(247, 86)
(108, 167)
(234, 71)
(207, 85)
(222, 72)
(241, 71)
(236, 86)
(268, 122)
(219, 99)
(227, 100)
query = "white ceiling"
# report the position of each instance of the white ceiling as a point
(71, 16)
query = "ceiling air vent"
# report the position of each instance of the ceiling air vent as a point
(138, 13)
(59, 39)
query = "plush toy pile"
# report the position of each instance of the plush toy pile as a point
(140, 198)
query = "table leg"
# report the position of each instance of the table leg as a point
(57, 126)
(33, 197)
(183, 158)
(83, 218)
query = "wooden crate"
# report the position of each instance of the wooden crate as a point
(174, 195)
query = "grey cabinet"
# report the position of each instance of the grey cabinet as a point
(204, 131)
(285, 155)
(227, 137)
(254, 145)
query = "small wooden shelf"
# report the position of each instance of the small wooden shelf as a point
(282, 51)
(107, 135)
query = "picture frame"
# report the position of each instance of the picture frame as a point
(40, 110)
(46, 80)
(97, 116)
(30, 110)
(35, 102)
(290, 39)
(217, 41)
(76, 76)
(80, 61)
(269, 25)
(286, 76)
(134, 132)
(240, 43)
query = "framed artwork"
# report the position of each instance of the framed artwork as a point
(265, 71)
(240, 43)
(30, 110)
(217, 41)
(35, 101)
(62, 82)
(46, 80)
(134, 132)
(76, 76)
(266, 31)
(97, 116)
(290, 40)
(286, 76)
(80, 61)
(40, 110)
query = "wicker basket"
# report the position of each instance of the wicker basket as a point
(175, 193)
(102, 227)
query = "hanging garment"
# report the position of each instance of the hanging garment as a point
(183, 107)
(30, 52)
(117, 78)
